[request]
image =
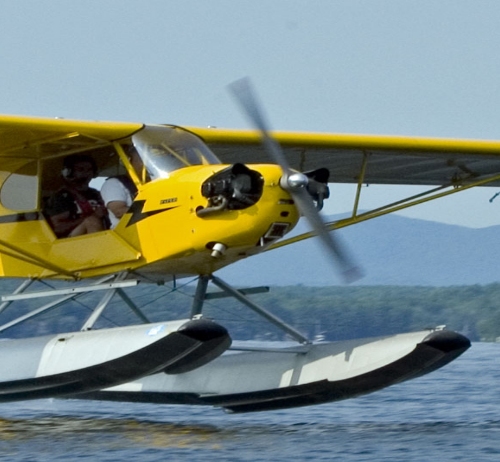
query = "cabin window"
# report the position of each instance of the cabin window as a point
(19, 190)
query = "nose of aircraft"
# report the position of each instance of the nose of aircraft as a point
(315, 182)
(244, 94)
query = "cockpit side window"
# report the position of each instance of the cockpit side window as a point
(19, 186)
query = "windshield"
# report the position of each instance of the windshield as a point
(165, 149)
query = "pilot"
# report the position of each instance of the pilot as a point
(118, 192)
(77, 209)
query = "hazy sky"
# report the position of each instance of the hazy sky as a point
(423, 67)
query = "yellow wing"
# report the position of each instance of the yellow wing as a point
(369, 159)
(373, 159)
(37, 137)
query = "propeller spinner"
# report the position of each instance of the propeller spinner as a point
(294, 182)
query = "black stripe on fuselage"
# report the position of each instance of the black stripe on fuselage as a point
(138, 215)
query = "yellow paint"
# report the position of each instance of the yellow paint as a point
(167, 237)
(172, 240)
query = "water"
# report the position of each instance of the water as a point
(451, 414)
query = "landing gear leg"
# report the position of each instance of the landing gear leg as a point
(199, 296)
(240, 295)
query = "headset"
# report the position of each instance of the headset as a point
(70, 162)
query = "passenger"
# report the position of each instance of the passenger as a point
(77, 209)
(118, 192)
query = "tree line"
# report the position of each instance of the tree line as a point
(330, 313)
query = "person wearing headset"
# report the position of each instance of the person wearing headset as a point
(77, 209)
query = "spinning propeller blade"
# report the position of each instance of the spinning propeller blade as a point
(295, 183)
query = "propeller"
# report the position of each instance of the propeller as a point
(293, 182)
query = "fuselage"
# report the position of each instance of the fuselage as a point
(191, 215)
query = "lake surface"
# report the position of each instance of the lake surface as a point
(451, 414)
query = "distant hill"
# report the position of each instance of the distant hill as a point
(392, 250)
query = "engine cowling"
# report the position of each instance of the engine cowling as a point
(234, 188)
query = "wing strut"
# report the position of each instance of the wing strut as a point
(421, 198)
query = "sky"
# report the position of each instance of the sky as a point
(401, 67)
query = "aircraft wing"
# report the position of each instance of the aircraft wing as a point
(37, 137)
(26, 140)
(375, 159)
